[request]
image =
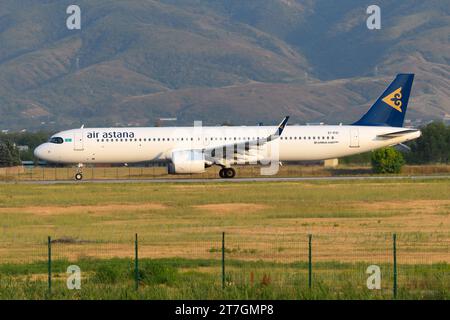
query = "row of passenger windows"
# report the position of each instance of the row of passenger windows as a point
(308, 138)
(215, 139)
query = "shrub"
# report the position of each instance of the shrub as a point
(387, 160)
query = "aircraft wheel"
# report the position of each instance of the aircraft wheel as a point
(222, 173)
(78, 176)
(230, 173)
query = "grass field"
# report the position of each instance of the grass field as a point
(180, 227)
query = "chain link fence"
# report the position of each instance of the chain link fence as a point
(160, 172)
(284, 266)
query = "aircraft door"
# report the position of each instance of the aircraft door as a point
(354, 138)
(78, 141)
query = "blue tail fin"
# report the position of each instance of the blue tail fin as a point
(390, 108)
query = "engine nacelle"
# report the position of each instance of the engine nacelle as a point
(187, 161)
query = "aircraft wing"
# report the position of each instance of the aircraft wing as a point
(243, 150)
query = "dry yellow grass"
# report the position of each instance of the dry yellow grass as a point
(270, 221)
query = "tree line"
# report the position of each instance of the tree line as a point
(432, 147)
(9, 153)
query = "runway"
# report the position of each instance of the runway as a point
(234, 180)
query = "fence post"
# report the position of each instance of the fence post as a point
(310, 261)
(394, 238)
(223, 260)
(136, 262)
(49, 266)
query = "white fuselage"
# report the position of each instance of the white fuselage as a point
(296, 143)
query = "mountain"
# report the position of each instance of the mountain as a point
(233, 61)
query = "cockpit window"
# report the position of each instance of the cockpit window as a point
(57, 140)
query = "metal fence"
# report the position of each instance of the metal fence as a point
(289, 266)
(152, 172)
(158, 172)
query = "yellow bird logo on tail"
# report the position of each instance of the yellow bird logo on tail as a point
(394, 99)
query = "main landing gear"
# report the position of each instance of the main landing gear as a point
(79, 174)
(227, 173)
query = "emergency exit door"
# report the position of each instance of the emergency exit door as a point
(78, 141)
(354, 138)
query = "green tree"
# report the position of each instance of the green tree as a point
(9, 154)
(433, 146)
(387, 160)
(5, 155)
(14, 152)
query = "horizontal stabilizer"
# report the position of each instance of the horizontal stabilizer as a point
(396, 134)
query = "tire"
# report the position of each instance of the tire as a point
(222, 173)
(230, 173)
(78, 176)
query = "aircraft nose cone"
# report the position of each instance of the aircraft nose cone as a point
(41, 152)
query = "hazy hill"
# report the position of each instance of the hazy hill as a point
(217, 61)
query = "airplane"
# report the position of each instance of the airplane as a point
(194, 149)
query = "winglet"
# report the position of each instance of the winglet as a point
(281, 126)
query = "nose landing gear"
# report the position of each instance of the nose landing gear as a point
(79, 174)
(227, 173)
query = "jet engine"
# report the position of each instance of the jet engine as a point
(187, 161)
